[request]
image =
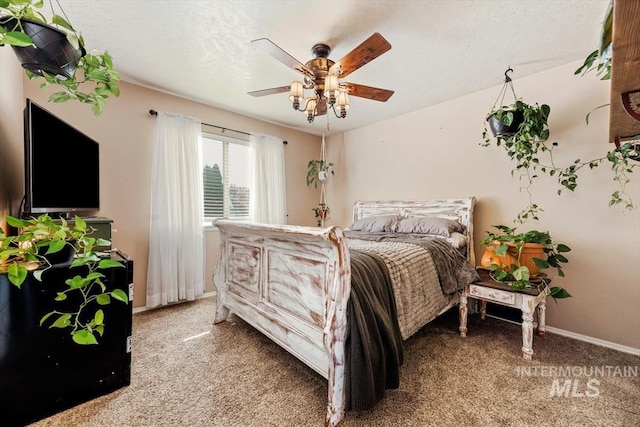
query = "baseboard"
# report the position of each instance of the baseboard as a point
(596, 341)
(205, 295)
(580, 337)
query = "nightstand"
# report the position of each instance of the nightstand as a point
(527, 300)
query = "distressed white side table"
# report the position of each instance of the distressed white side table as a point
(527, 300)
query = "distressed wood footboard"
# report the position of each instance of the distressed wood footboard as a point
(292, 284)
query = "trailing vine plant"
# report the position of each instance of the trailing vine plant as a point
(28, 251)
(527, 145)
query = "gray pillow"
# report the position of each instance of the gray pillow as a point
(428, 225)
(375, 224)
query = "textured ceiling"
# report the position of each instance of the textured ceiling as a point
(441, 49)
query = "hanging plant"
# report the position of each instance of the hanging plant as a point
(531, 152)
(322, 212)
(318, 171)
(54, 51)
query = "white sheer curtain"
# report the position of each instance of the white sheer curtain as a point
(268, 201)
(176, 247)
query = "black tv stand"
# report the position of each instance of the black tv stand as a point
(42, 371)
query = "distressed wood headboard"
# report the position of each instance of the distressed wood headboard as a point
(459, 209)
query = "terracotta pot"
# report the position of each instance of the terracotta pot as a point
(529, 251)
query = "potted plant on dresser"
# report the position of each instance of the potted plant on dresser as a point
(42, 242)
(521, 259)
(54, 51)
(53, 306)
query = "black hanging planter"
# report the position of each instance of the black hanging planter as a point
(52, 53)
(498, 128)
(496, 124)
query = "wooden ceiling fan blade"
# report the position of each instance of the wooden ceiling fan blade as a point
(269, 47)
(368, 92)
(366, 52)
(272, 91)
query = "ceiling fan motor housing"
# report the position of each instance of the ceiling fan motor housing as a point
(320, 65)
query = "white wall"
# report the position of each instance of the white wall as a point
(435, 153)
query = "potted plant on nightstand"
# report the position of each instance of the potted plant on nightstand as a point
(518, 258)
(54, 51)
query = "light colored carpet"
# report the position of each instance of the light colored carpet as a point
(188, 372)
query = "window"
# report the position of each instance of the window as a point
(226, 178)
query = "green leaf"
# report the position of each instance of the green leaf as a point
(540, 263)
(563, 248)
(521, 273)
(16, 222)
(59, 20)
(109, 263)
(17, 38)
(59, 97)
(76, 282)
(100, 329)
(45, 317)
(120, 295)
(103, 299)
(55, 246)
(62, 322)
(501, 249)
(61, 296)
(98, 318)
(94, 275)
(17, 274)
(558, 292)
(103, 242)
(80, 223)
(84, 337)
(38, 275)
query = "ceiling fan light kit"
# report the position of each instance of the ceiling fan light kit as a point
(322, 77)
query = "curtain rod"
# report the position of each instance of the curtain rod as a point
(155, 113)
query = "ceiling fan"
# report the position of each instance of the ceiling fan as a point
(321, 76)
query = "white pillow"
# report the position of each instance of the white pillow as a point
(458, 240)
(375, 224)
(427, 225)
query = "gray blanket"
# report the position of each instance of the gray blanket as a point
(374, 344)
(374, 351)
(454, 271)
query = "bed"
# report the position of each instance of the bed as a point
(293, 283)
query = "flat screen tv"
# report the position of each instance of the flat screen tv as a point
(62, 165)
